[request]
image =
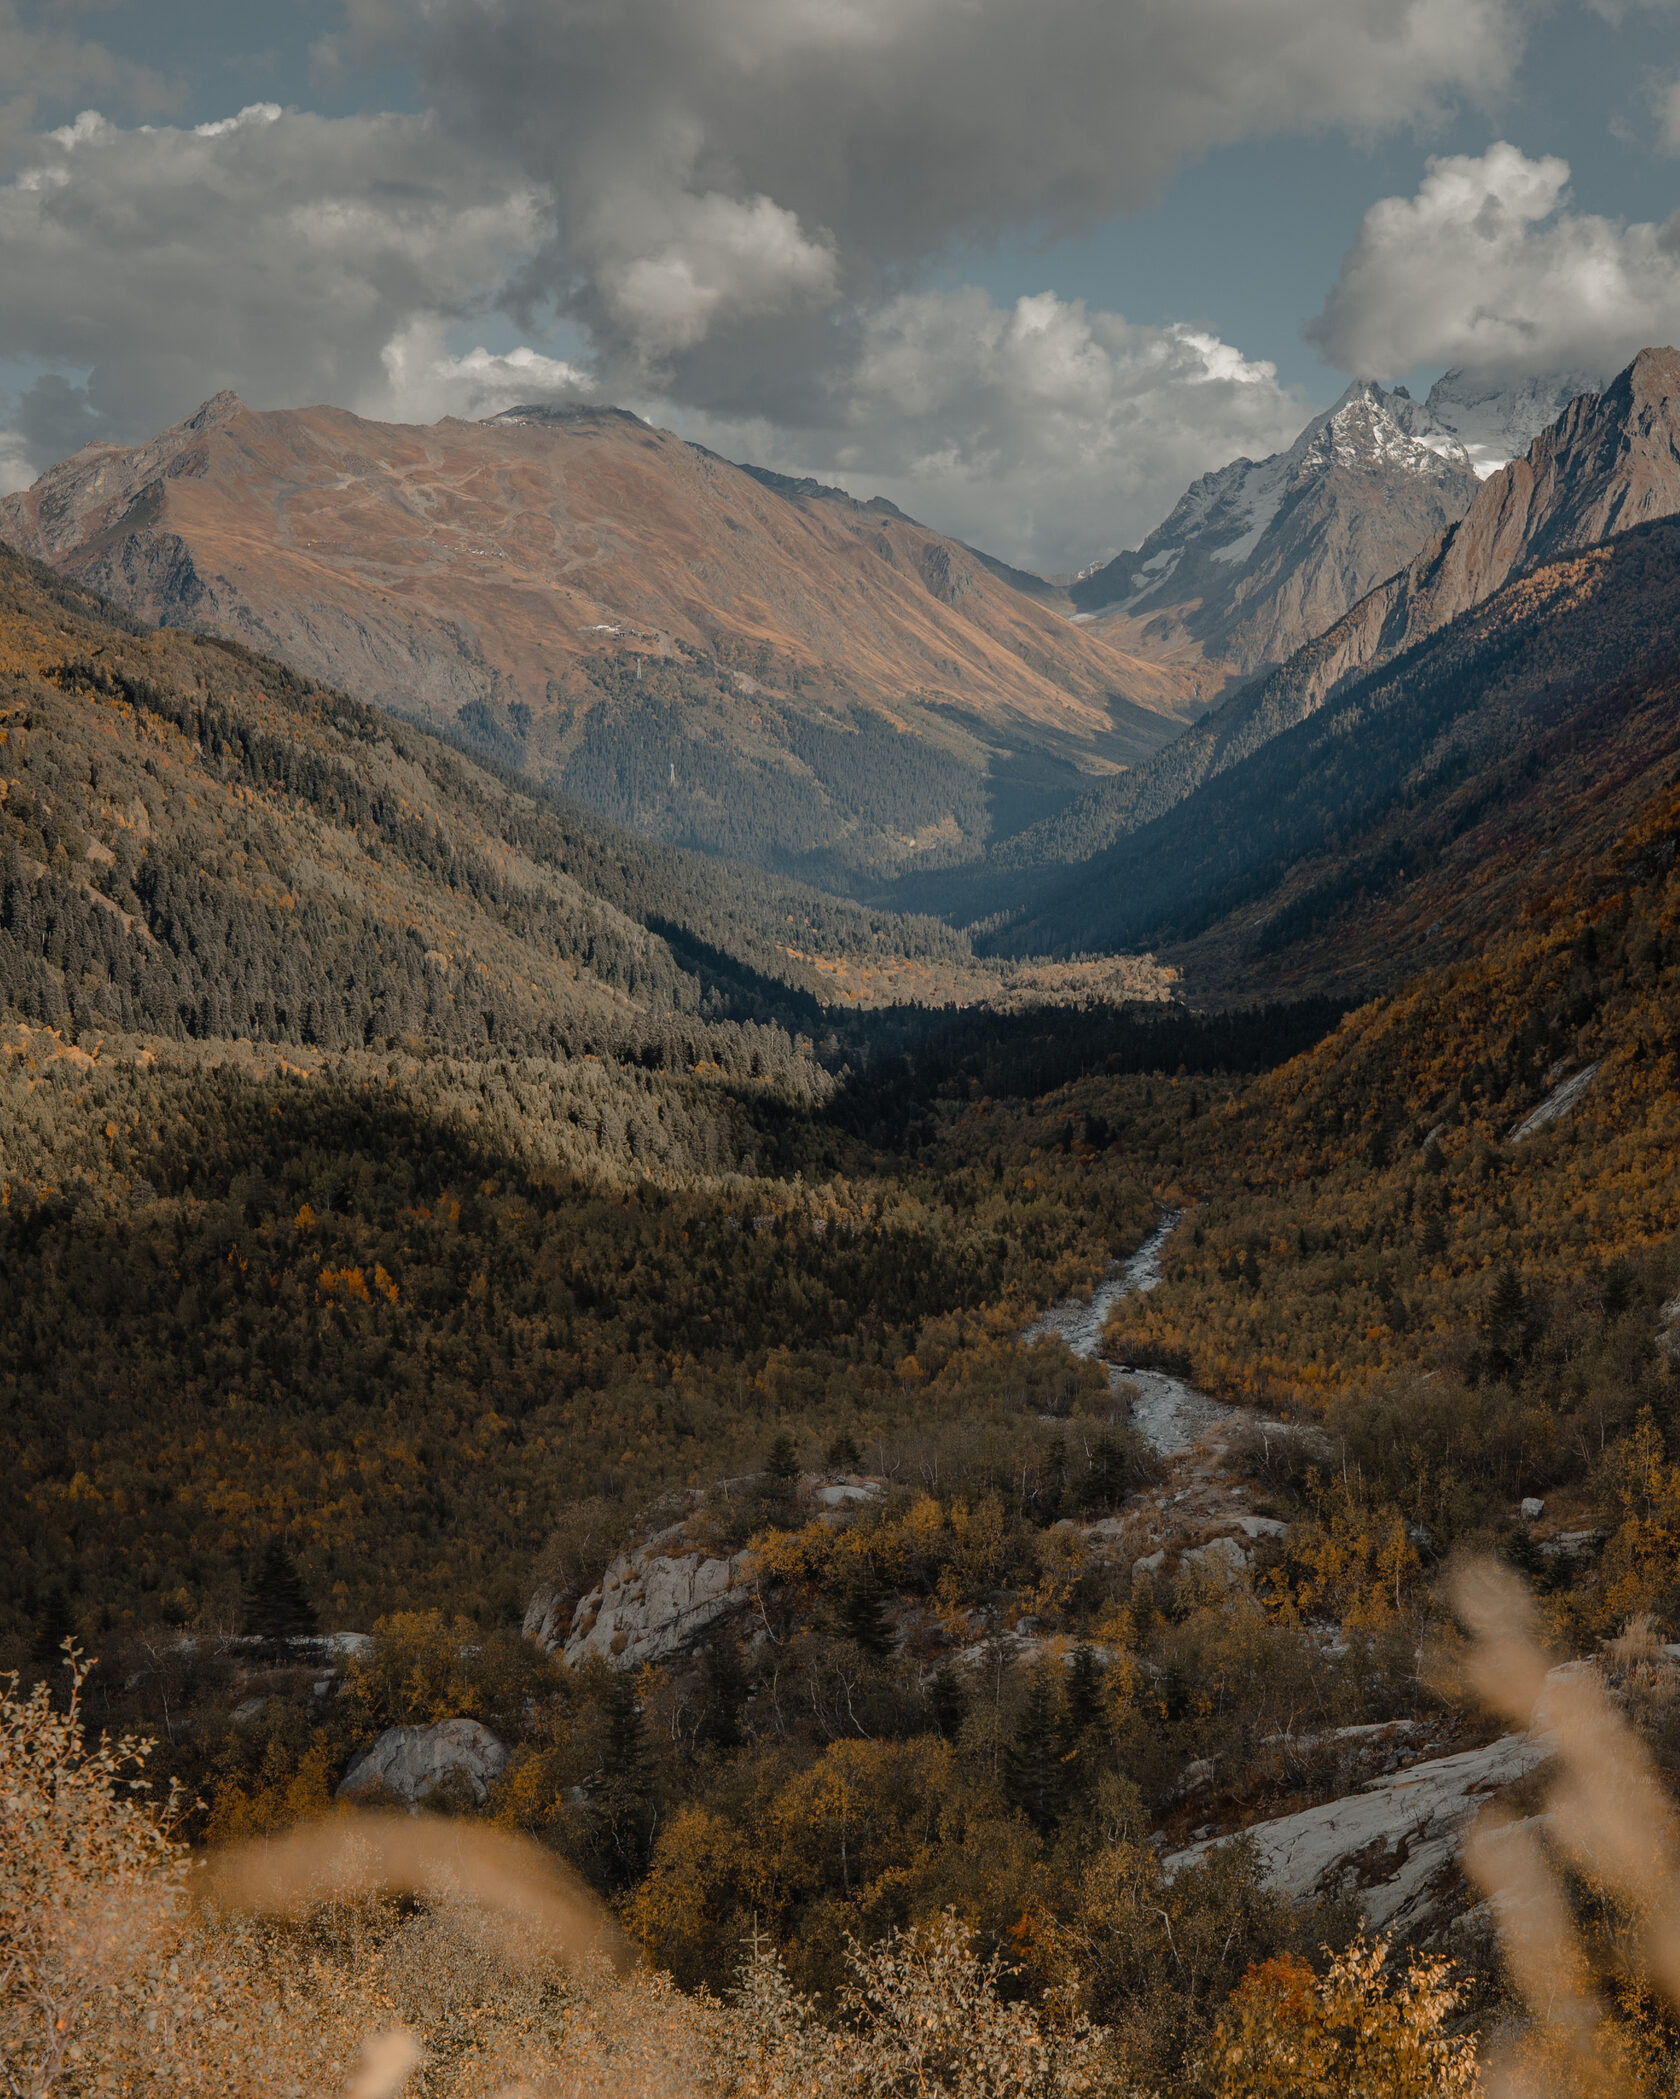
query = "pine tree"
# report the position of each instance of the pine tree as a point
(726, 1692)
(1109, 1475)
(1507, 1310)
(946, 1702)
(1034, 1776)
(277, 1605)
(863, 1616)
(1084, 1692)
(782, 1463)
(843, 1453)
(622, 1793)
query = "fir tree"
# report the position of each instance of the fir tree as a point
(1084, 1692)
(726, 1692)
(863, 1616)
(843, 1453)
(623, 1790)
(1108, 1477)
(946, 1702)
(782, 1464)
(1034, 1775)
(277, 1605)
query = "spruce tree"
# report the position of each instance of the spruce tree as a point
(1109, 1475)
(946, 1702)
(1084, 1692)
(782, 1464)
(277, 1605)
(726, 1692)
(843, 1453)
(623, 1792)
(1034, 1776)
(863, 1615)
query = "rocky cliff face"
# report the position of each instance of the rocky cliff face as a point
(1609, 462)
(1260, 556)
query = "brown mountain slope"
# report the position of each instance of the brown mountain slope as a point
(720, 658)
(195, 842)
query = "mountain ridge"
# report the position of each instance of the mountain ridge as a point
(1611, 460)
(713, 656)
(1260, 555)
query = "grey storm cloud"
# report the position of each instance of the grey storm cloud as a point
(718, 161)
(736, 204)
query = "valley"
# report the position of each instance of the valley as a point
(819, 1418)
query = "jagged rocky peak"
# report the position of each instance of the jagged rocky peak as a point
(1263, 554)
(1370, 431)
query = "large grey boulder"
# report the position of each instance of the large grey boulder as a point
(409, 1764)
(654, 1601)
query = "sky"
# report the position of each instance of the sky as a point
(1027, 267)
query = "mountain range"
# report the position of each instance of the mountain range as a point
(1609, 462)
(714, 656)
(1261, 845)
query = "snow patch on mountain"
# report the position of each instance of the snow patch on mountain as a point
(1497, 420)
(1225, 515)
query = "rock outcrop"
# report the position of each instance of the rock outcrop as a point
(654, 1601)
(455, 1757)
(1391, 1844)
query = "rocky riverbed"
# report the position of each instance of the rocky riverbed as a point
(1169, 1414)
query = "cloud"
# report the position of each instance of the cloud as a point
(719, 162)
(737, 205)
(15, 469)
(422, 381)
(1487, 267)
(1043, 432)
(275, 252)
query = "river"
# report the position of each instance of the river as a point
(1167, 1413)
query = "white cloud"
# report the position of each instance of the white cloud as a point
(277, 252)
(1043, 432)
(422, 381)
(1488, 267)
(737, 202)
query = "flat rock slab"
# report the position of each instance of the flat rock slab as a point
(1386, 1844)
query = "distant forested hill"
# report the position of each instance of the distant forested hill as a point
(196, 841)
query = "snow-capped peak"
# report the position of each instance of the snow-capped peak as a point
(1368, 429)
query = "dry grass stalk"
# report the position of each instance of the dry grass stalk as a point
(1606, 1811)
